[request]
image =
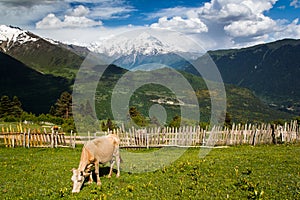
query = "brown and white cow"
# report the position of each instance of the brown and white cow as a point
(100, 150)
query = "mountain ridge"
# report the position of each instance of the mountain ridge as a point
(44, 55)
(270, 70)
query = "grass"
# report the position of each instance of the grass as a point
(242, 172)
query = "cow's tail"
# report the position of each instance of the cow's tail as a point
(121, 160)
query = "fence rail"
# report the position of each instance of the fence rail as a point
(33, 139)
(186, 136)
(217, 136)
(251, 134)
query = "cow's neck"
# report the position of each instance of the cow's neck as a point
(84, 160)
(82, 165)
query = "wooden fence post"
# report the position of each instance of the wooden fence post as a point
(147, 140)
(56, 139)
(24, 139)
(28, 139)
(71, 135)
(74, 141)
(13, 140)
(52, 139)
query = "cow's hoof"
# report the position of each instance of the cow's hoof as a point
(99, 183)
(109, 176)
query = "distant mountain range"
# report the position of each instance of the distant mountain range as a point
(271, 71)
(144, 49)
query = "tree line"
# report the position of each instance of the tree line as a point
(61, 114)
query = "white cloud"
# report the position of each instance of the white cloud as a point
(245, 21)
(227, 22)
(76, 19)
(23, 14)
(233, 10)
(284, 30)
(80, 11)
(171, 12)
(27, 3)
(53, 22)
(295, 3)
(26, 13)
(111, 12)
(106, 9)
(250, 28)
(82, 16)
(191, 25)
(81, 22)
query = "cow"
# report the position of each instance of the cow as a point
(100, 150)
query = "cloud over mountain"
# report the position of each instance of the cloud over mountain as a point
(215, 23)
(241, 22)
(51, 21)
(191, 25)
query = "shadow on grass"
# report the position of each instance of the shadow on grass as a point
(103, 172)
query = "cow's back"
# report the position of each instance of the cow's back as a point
(102, 148)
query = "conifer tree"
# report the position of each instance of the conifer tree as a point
(175, 122)
(137, 117)
(5, 106)
(63, 106)
(10, 108)
(16, 107)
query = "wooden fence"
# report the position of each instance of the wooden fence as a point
(187, 136)
(33, 139)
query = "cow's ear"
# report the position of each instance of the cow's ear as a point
(72, 170)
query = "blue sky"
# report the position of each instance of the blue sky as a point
(217, 24)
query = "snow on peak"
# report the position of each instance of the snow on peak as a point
(9, 36)
(144, 44)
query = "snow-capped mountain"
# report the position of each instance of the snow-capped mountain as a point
(41, 54)
(143, 44)
(131, 52)
(12, 36)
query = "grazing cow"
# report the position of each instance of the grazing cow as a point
(100, 150)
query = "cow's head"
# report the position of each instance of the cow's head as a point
(78, 179)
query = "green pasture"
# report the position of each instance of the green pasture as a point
(242, 172)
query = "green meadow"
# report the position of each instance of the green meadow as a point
(241, 172)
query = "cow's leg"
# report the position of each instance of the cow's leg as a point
(97, 172)
(112, 162)
(90, 178)
(118, 159)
